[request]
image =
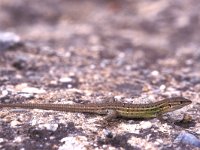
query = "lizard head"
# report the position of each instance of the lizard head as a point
(175, 103)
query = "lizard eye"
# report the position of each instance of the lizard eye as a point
(170, 105)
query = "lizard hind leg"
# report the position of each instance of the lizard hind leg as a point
(107, 120)
(111, 114)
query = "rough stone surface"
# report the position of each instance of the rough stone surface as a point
(86, 51)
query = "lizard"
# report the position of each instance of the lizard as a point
(114, 109)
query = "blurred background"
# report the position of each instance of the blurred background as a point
(159, 26)
(129, 39)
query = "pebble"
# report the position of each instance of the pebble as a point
(69, 82)
(198, 130)
(7, 100)
(66, 79)
(51, 127)
(8, 39)
(33, 121)
(108, 133)
(24, 88)
(33, 90)
(131, 128)
(78, 143)
(118, 97)
(155, 73)
(140, 143)
(162, 87)
(158, 142)
(20, 62)
(146, 88)
(4, 93)
(187, 138)
(15, 123)
(26, 95)
(171, 91)
(164, 128)
(17, 139)
(1, 140)
(145, 124)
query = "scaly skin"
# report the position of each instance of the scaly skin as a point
(114, 109)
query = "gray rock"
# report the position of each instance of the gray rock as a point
(8, 40)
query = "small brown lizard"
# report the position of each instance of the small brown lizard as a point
(114, 109)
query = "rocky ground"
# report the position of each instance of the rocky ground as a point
(87, 51)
